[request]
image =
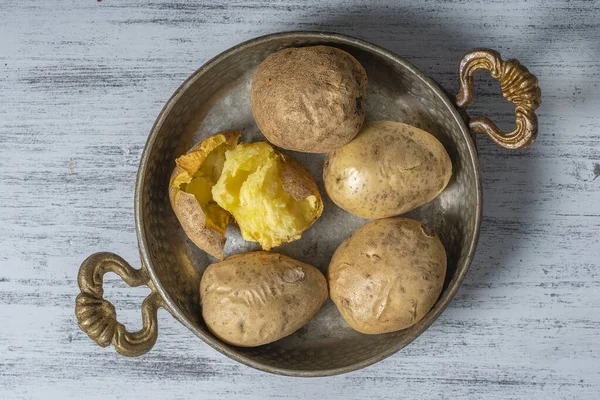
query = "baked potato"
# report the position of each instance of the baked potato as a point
(387, 275)
(271, 196)
(251, 299)
(195, 174)
(309, 99)
(388, 169)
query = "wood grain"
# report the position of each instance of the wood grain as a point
(81, 83)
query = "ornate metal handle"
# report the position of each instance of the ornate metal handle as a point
(518, 86)
(97, 317)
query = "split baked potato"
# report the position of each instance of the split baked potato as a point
(271, 196)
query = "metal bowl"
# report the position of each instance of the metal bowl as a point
(216, 97)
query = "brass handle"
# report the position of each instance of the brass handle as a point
(97, 317)
(518, 85)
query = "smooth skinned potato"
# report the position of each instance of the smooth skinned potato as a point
(251, 299)
(195, 173)
(388, 169)
(309, 99)
(387, 275)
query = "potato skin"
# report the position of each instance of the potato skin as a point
(187, 210)
(387, 275)
(309, 99)
(388, 169)
(251, 299)
(193, 221)
(299, 183)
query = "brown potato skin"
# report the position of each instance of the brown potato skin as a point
(193, 221)
(387, 275)
(251, 299)
(309, 99)
(388, 169)
(299, 183)
(187, 210)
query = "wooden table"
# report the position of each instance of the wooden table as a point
(81, 83)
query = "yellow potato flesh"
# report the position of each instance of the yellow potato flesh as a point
(250, 188)
(201, 184)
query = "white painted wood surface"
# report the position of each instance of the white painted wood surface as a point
(81, 83)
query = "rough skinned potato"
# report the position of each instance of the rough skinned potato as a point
(195, 173)
(309, 99)
(388, 169)
(251, 299)
(387, 275)
(271, 196)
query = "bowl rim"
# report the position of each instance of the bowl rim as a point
(442, 302)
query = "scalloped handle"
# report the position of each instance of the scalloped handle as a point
(98, 318)
(517, 84)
